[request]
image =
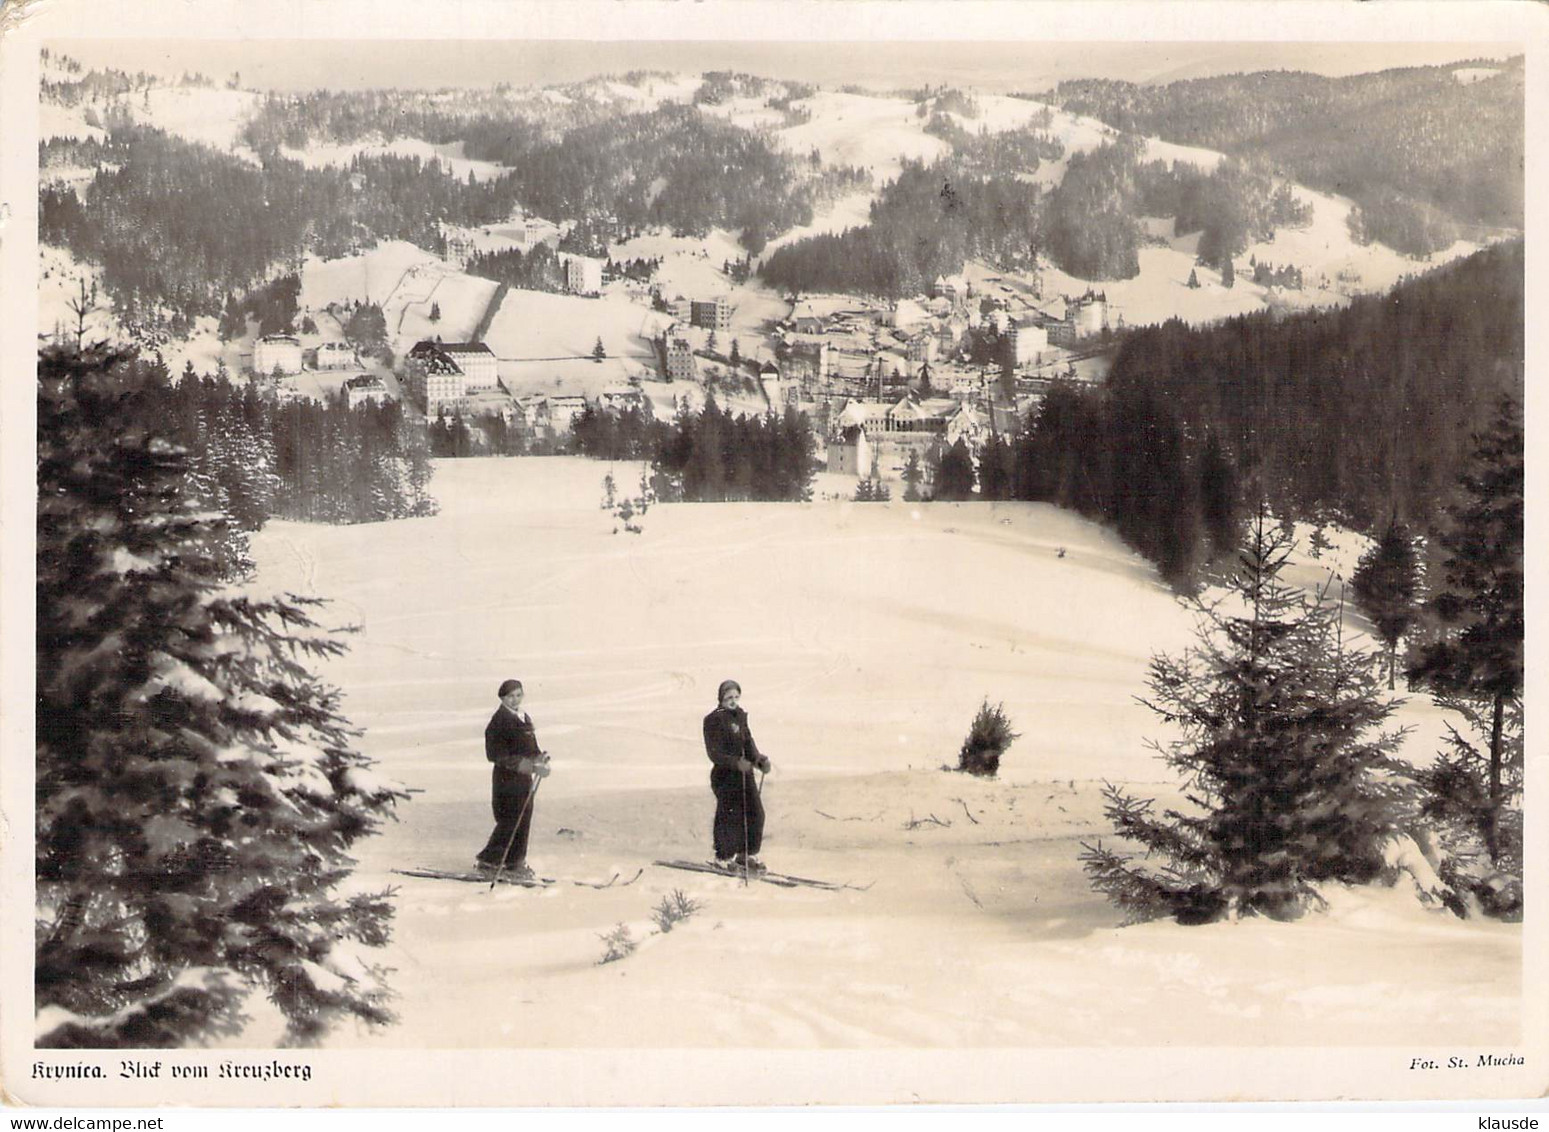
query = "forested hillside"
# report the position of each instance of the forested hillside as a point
(179, 224)
(1356, 416)
(933, 217)
(672, 166)
(1404, 144)
(1355, 413)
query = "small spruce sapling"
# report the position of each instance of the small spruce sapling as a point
(616, 943)
(989, 736)
(674, 909)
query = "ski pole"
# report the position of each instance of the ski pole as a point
(510, 841)
(744, 785)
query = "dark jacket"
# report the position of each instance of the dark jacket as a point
(507, 738)
(728, 739)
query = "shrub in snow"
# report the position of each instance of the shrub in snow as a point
(673, 909)
(616, 944)
(989, 736)
(1289, 784)
(197, 791)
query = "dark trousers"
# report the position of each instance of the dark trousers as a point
(509, 798)
(739, 812)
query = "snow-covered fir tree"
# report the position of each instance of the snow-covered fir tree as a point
(1386, 584)
(1290, 780)
(198, 792)
(1476, 664)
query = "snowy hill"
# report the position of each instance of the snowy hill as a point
(878, 133)
(864, 636)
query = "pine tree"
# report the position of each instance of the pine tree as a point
(955, 475)
(435, 312)
(367, 327)
(913, 475)
(1480, 609)
(233, 323)
(599, 352)
(1219, 499)
(1386, 584)
(1193, 283)
(1288, 785)
(1228, 274)
(197, 791)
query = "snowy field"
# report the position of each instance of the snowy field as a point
(864, 637)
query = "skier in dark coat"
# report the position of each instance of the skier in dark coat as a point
(512, 745)
(739, 811)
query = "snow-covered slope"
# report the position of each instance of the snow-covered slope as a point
(197, 114)
(865, 130)
(864, 637)
(450, 156)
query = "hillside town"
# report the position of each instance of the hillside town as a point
(879, 380)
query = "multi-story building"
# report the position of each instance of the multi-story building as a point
(583, 275)
(477, 361)
(276, 351)
(435, 380)
(337, 355)
(680, 360)
(474, 360)
(364, 389)
(1025, 341)
(849, 453)
(712, 314)
(1085, 317)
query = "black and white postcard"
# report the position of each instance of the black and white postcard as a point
(770, 554)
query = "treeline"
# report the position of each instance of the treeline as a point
(1393, 141)
(295, 121)
(255, 459)
(1357, 413)
(973, 204)
(542, 269)
(709, 455)
(539, 269)
(177, 224)
(1123, 458)
(488, 435)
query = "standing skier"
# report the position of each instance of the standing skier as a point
(512, 745)
(739, 811)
